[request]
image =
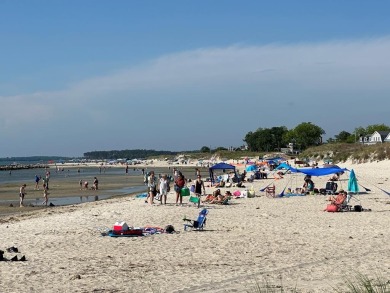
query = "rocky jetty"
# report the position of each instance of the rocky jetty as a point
(21, 167)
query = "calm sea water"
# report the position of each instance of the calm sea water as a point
(86, 173)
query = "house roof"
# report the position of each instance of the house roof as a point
(383, 134)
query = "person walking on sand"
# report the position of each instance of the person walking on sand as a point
(199, 186)
(45, 195)
(22, 193)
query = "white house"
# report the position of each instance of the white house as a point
(376, 137)
(387, 139)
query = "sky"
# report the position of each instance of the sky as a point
(92, 75)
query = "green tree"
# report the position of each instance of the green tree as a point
(343, 136)
(266, 139)
(305, 134)
(220, 149)
(370, 129)
(205, 149)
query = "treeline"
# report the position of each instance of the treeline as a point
(302, 136)
(126, 154)
(43, 159)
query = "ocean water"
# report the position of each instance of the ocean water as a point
(27, 176)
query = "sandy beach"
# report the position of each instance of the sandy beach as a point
(288, 242)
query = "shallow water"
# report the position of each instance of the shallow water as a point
(60, 201)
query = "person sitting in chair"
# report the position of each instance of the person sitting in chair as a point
(337, 202)
(220, 184)
(339, 199)
(308, 186)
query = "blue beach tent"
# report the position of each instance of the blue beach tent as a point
(221, 166)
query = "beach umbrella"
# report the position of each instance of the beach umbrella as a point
(251, 168)
(352, 183)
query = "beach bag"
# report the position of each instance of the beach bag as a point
(169, 229)
(332, 208)
(237, 193)
(185, 191)
(176, 188)
(251, 192)
(358, 208)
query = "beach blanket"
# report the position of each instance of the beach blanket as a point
(142, 195)
(136, 232)
(294, 194)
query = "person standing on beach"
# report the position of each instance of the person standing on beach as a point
(179, 184)
(46, 179)
(22, 193)
(37, 179)
(95, 183)
(163, 189)
(45, 195)
(199, 186)
(152, 187)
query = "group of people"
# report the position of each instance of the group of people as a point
(45, 186)
(161, 186)
(85, 184)
(217, 197)
(22, 194)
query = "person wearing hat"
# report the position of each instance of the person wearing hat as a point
(339, 198)
(22, 193)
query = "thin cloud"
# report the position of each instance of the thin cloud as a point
(278, 75)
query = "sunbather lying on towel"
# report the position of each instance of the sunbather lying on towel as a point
(222, 198)
(209, 198)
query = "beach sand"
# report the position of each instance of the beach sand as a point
(287, 242)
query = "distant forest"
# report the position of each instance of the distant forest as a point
(126, 154)
(42, 159)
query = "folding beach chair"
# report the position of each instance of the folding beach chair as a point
(270, 191)
(197, 224)
(330, 188)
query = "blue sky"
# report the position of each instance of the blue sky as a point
(79, 76)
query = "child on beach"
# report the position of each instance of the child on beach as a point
(22, 193)
(45, 195)
(163, 189)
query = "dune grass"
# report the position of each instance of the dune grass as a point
(359, 283)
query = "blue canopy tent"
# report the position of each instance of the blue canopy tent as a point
(313, 171)
(251, 168)
(221, 166)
